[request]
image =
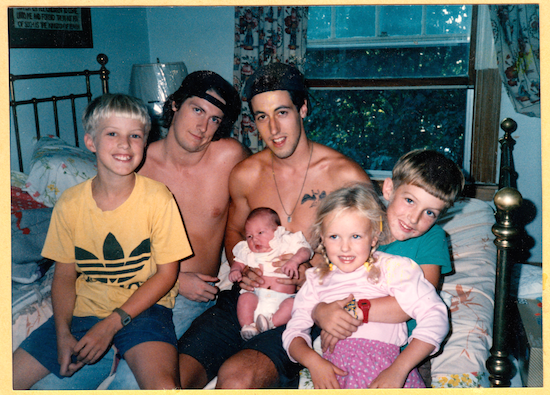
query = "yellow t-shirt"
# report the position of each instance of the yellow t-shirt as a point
(116, 251)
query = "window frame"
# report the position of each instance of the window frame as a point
(486, 88)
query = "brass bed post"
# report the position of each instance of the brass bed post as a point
(102, 59)
(508, 176)
(507, 200)
(15, 124)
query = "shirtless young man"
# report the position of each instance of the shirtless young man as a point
(194, 161)
(290, 176)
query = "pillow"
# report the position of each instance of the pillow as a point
(55, 167)
(470, 292)
(526, 281)
(18, 179)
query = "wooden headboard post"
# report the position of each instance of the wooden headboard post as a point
(507, 200)
(103, 74)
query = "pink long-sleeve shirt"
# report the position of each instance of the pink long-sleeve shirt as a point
(400, 277)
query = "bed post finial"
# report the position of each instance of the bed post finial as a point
(508, 176)
(507, 233)
(102, 59)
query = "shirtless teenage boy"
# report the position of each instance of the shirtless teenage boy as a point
(290, 176)
(194, 162)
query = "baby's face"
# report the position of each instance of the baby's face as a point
(259, 231)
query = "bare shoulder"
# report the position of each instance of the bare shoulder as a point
(250, 169)
(339, 167)
(229, 150)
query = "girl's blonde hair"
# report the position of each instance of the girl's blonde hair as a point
(363, 199)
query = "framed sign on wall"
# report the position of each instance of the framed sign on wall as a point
(50, 27)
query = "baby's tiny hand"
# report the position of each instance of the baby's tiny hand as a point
(235, 276)
(290, 268)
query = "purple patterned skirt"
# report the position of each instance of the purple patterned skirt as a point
(364, 360)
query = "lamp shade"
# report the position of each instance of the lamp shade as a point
(154, 82)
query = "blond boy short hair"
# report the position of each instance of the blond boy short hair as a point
(117, 104)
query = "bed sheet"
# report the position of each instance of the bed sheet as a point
(31, 274)
(29, 225)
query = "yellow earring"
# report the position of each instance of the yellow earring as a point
(330, 267)
(381, 225)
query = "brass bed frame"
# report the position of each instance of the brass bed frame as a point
(103, 74)
(507, 201)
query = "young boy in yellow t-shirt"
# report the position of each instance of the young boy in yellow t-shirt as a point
(117, 240)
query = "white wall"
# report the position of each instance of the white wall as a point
(201, 37)
(527, 159)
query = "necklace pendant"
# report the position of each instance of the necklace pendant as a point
(289, 219)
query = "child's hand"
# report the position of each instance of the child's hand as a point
(290, 268)
(324, 375)
(95, 342)
(389, 378)
(332, 318)
(299, 276)
(328, 342)
(65, 346)
(235, 275)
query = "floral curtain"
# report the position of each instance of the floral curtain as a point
(264, 35)
(517, 45)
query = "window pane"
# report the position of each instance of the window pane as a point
(412, 62)
(444, 19)
(319, 23)
(376, 127)
(400, 20)
(403, 42)
(355, 21)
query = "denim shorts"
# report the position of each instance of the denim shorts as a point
(184, 311)
(154, 324)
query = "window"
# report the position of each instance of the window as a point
(388, 79)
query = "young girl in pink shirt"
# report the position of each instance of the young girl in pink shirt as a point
(349, 225)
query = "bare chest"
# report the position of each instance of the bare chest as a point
(296, 205)
(201, 195)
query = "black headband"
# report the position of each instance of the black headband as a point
(212, 99)
(199, 83)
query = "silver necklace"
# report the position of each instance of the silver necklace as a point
(289, 216)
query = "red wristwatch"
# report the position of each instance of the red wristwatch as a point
(364, 305)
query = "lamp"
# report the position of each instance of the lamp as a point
(153, 83)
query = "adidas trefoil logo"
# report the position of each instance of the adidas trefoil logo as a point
(114, 268)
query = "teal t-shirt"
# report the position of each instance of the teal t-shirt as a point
(430, 248)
